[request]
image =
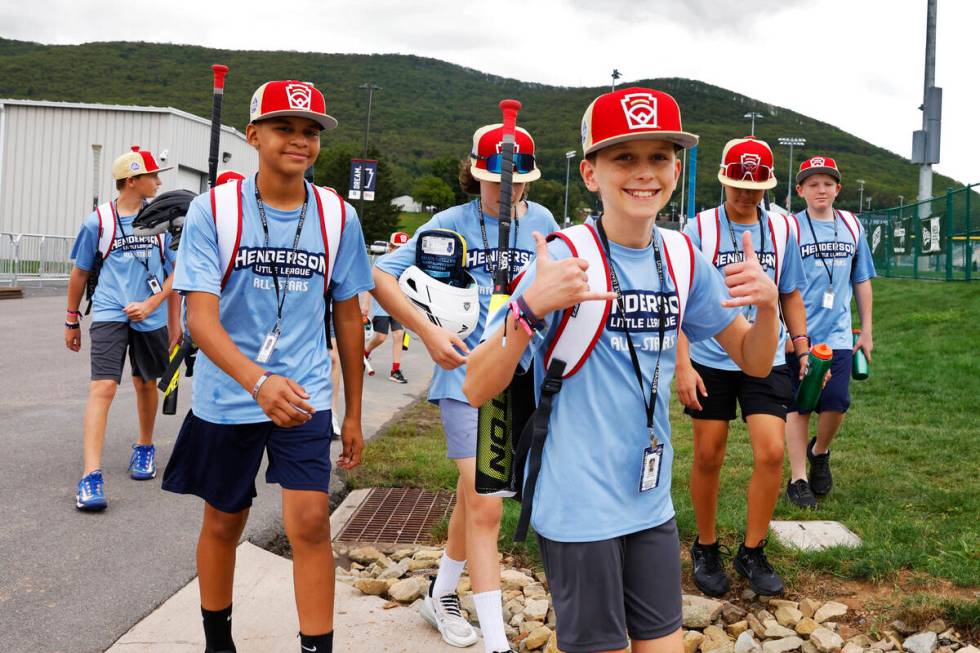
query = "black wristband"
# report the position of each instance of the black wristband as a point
(72, 325)
(533, 320)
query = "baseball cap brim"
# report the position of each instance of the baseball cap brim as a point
(684, 139)
(809, 172)
(518, 178)
(325, 121)
(749, 185)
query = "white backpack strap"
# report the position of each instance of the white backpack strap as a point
(333, 215)
(709, 231)
(107, 228)
(794, 226)
(779, 228)
(679, 252)
(226, 209)
(852, 224)
(580, 326)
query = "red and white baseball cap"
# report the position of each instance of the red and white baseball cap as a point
(486, 156)
(632, 114)
(228, 175)
(747, 163)
(398, 238)
(135, 163)
(290, 98)
(818, 165)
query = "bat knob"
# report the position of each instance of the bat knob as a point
(220, 70)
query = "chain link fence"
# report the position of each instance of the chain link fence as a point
(34, 258)
(938, 238)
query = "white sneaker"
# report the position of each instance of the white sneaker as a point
(444, 615)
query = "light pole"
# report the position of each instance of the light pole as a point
(753, 115)
(568, 167)
(860, 183)
(792, 142)
(371, 88)
(615, 75)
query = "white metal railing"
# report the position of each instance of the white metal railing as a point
(34, 258)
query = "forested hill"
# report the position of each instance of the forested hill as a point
(427, 108)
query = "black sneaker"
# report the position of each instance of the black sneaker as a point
(397, 376)
(754, 566)
(821, 480)
(799, 494)
(709, 574)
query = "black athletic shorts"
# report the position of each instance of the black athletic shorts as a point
(219, 462)
(767, 396)
(386, 323)
(610, 591)
(836, 395)
(148, 354)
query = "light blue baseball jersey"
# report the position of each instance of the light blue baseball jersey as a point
(123, 278)
(845, 257)
(481, 261)
(248, 300)
(791, 277)
(589, 484)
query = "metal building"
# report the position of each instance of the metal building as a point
(55, 158)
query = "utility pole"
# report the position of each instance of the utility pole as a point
(753, 115)
(371, 88)
(860, 183)
(792, 142)
(615, 75)
(568, 166)
(925, 142)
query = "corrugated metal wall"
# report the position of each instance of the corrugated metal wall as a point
(46, 159)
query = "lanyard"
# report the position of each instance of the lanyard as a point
(265, 227)
(483, 230)
(125, 246)
(651, 404)
(762, 235)
(816, 243)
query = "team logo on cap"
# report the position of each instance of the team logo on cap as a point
(818, 161)
(750, 161)
(134, 166)
(640, 110)
(255, 104)
(299, 96)
(500, 147)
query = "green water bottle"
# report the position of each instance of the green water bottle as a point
(819, 361)
(860, 370)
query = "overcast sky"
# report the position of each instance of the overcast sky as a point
(857, 64)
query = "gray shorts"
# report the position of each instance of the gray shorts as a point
(148, 354)
(385, 323)
(610, 591)
(459, 422)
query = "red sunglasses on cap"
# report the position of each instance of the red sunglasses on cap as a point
(757, 172)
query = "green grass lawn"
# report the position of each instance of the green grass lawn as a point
(905, 465)
(409, 222)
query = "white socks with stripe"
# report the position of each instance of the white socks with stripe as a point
(448, 577)
(491, 614)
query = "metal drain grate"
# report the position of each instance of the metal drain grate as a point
(397, 516)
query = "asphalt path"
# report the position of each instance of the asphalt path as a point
(75, 582)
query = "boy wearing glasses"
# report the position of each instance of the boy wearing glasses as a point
(709, 382)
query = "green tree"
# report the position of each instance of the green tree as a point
(430, 190)
(551, 194)
(380, 216)
(447, 169)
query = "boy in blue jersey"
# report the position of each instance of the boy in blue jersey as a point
(475, 522)
(384, 324)
(838, 265)
(133, 282)
(258, 259)
(608, 537)
(709, 382)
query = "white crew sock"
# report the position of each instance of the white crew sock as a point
(491, 615)
(448, 577)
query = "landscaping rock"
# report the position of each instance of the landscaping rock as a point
(921, 643)
(826, 641)
(748, 595)
(746, 643)
(805, 626)
(736, 629)
(535, 591)
(969, 649)
(536, 609)
(407, 590)
(537, 638)
(829, 610)
(699, 612)
(396, 570)
(714, 632)
(860, 640)
(365, 555)
(692, 641)
(431, 555)
(732, 613)
(883, 645)
(419, 565)
(809, 607)
(467, 603)
(788, 616)
(902, 628)
(774, 629)
(552, 619)
(949, 636)
(529, 626)
(371, 586)
(401, 554)
(783, 603)
(764, 615)
(511, 579)
(937, 626)
(851, 648)
(464, 585)
(782, 645)
(756, 625)
(717, 646)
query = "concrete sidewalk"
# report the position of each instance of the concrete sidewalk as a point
(264, 620)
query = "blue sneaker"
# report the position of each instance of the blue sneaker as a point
(90, 494)
(143, 464)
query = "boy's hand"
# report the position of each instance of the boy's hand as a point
(444, 346)
(747, 282)
(865, 342)
(805, 365)
(284, 401)
(353, 440)
(73, 338)
(689, 386)
(559, 284)
(139, 311)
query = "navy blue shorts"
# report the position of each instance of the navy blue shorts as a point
(836, 397)
(219, 462)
